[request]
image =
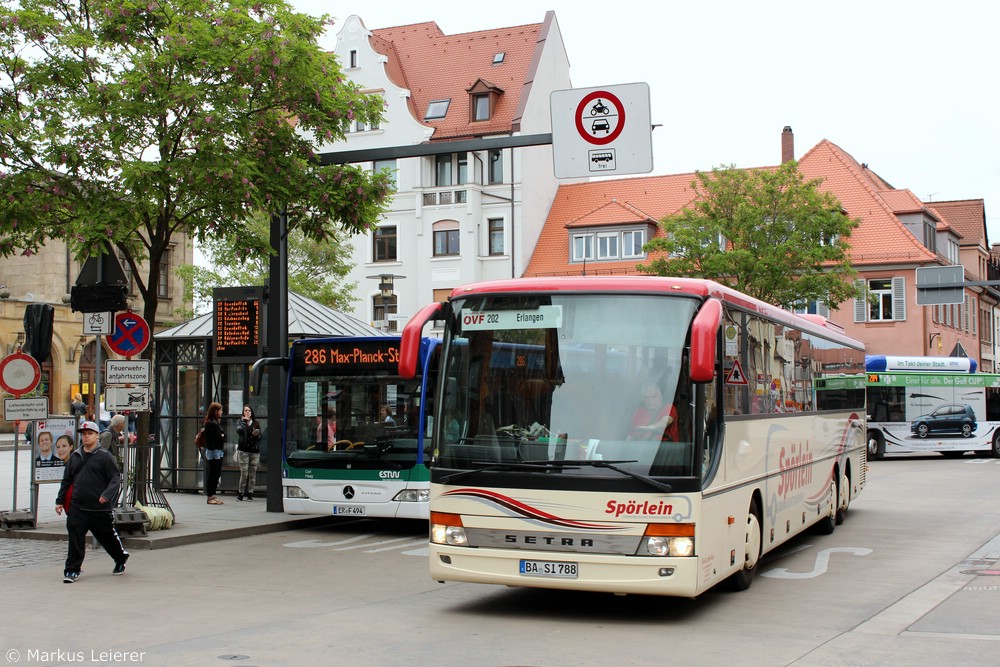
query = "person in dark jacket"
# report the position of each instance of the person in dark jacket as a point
(213, 451)
(93, 475)
(248, 452)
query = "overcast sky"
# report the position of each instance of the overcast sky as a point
(910, 88)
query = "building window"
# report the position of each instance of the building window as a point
(388, 166)
(442, 170)
(437, 109)
(607, 245)
(446, 238)
(382, 308)
(632, 242)
(463, 168)
(129, 278)
(163, 289)
(498, 57)
(496, 236)
(481, 107)
(583, 247)
(496, 166)
(384, 244)
(883, 299)
(354, 58)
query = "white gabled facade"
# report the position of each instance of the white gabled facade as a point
(457, 218)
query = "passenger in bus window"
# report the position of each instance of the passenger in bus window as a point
(654, 418)
(386, 415)
(326, 440)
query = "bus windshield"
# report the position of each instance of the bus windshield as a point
(357, 422)
(569, 383)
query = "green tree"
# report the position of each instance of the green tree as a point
(316, 269)
(769, 233)
(125, 122)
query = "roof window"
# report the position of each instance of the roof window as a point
(498, 58)
(437, 109)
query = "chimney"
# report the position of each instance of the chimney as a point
(787, 144)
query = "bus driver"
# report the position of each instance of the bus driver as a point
(653, 418)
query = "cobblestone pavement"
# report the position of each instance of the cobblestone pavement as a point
(28, 553)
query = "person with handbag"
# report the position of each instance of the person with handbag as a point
(92, 474)
(213, 450)
(248, 452)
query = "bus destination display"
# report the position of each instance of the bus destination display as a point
(237, 327)
(333, 356)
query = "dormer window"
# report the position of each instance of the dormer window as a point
(437, 109)
(483, 97)
(481, 107)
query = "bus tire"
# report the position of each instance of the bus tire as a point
(845, 499)
(995, 451)
(827, 524)
(876, 446)
(752, 545)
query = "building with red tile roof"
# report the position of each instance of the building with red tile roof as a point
(590, 227)
(458, 216)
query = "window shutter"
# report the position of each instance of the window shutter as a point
(823, 309)
(861, 302)
(899, 298)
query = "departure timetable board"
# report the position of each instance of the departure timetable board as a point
(237, 323)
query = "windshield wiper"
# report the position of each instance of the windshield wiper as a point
(561, 465)
(488, 467)
(612, 465)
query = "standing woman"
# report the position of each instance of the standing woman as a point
(214, 450)
(248, 455)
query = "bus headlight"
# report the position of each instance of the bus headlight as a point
(413, 496)
(448, 529)
(670, 546)
(295, 492)
(670, 539)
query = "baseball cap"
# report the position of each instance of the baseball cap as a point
(89, 426)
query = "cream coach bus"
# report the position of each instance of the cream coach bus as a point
(631, 434)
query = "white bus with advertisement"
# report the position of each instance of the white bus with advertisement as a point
(931, 404)
(610, 433)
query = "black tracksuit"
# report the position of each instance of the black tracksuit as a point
(92, 474)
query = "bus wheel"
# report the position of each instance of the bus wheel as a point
(741, 580)
(876, 446)
(826, 525)
(845, 499)
(996, 446)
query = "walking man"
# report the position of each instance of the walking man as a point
(93, 475)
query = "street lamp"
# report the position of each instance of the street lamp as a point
(386, 282)
(930, 340)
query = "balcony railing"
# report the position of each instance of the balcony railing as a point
(445, 197)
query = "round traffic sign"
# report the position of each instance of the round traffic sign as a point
(131, 335)
(19, 373)
(600, 117)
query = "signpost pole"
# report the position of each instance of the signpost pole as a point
(17, 427)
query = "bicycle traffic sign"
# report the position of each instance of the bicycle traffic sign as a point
(98, 324)
(131, 334)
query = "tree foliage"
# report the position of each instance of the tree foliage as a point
(316, 269)
(769, 233)
(125, 122)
